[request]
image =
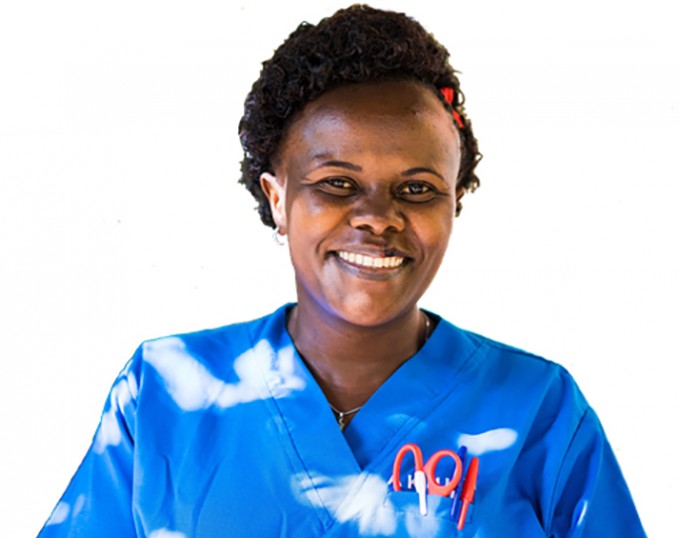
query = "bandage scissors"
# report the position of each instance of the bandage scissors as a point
(425, 480)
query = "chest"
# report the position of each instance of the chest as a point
(262, 470)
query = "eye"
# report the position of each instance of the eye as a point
(338, 182)
(417, 191)
(338, 186)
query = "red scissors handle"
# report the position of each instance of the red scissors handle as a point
(396, 468)
(431, 472)
(430, 469)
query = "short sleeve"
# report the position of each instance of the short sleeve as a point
(98, 500)
(591, 498)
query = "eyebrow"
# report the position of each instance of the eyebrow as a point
(340, 164)
(356, 168)
(422, 170)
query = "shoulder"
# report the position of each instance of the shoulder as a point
(514, 357)
(505, 358)
(197, 368)
(204, 355)
(521, 377)
(223, 343)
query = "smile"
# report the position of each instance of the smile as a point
(363, 260)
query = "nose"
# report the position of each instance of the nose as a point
(377, 213)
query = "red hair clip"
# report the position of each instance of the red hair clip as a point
(449, 94)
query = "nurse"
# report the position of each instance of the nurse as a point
(359, 153)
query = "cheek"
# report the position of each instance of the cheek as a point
(311, 225)
(433, 229)
(312, 212)
(437, 244)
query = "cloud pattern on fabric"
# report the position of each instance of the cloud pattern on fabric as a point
(581, 511)
(489, 441)
(78, 505)
(109, 433)
(59, 514)
(365, 507)
(419, 526)
(165, 533)
(193, 387)
(63, 509)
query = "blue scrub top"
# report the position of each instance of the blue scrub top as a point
(225, 432)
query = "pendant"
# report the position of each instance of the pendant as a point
(342, 415)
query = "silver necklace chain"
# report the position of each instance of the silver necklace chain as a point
(342, 414)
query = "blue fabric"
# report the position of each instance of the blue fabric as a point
(225, 433)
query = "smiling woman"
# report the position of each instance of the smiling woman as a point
(352, 412)
(358, 180)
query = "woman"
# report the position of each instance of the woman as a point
(329, 416)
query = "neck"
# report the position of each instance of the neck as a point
(351, 361)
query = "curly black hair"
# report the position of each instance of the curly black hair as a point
(356, 44)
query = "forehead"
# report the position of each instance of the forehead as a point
(382, 118)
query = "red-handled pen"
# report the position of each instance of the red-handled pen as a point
(468, 495)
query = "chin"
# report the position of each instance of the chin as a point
(366, 312)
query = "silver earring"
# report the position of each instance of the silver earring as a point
(278, 237)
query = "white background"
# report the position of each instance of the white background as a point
(121, 218)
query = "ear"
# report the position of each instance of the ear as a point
(275, 191)
(460, 192)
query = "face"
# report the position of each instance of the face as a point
(365, 189)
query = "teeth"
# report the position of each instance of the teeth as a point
(368, 261)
